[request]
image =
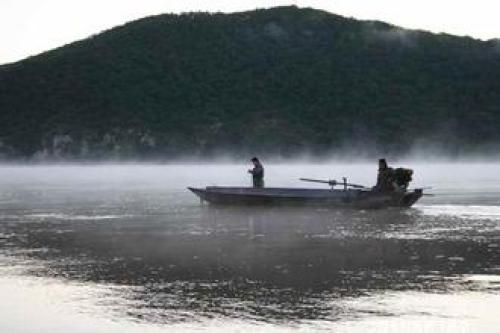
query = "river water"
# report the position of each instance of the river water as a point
(126, 248)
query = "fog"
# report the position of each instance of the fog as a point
(178, 174)
(361, 150)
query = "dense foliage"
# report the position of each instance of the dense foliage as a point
(277, 81)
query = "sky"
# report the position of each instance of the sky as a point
(29, 27)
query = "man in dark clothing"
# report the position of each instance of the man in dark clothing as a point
(384, 177)
(257, 173)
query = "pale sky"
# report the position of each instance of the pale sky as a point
(28, 27)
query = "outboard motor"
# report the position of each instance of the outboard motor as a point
(402, 177)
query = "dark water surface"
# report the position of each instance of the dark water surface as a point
(128, 249)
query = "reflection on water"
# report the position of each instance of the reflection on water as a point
(128, 253)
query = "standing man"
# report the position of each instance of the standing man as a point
(384, 177)
(257, 173)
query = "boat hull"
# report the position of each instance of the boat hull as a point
(219, 195)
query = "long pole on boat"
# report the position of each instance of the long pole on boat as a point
(333, 183)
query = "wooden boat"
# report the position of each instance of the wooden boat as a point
(347, 197)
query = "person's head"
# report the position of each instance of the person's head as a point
(382, 163)
(255, 160)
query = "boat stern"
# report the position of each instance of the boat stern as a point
(410, 198)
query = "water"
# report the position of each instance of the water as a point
(128, 249)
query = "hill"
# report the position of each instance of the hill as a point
(275, 81)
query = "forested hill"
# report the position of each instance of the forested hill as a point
(276, 81)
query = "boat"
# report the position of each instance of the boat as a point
(351, 196)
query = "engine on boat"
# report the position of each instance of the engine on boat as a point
(402, 177)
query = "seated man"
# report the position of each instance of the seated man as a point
(257, 173)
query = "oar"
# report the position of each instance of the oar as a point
(332, 182)
(329, 182)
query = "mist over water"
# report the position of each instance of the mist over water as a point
(108, 248)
